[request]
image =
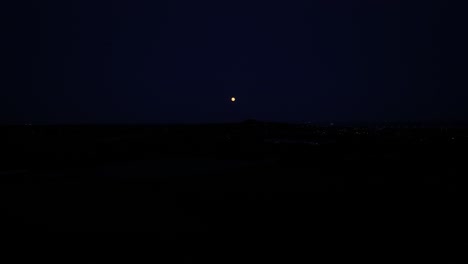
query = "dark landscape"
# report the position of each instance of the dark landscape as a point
(374, 184)
(193, 178)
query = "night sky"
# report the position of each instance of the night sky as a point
(182, 61)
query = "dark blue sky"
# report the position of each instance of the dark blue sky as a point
(181, 61)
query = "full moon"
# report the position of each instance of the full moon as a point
(233, 99)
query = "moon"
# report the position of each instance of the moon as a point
(233, 99)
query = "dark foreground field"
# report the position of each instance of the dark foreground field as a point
(335, 189)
